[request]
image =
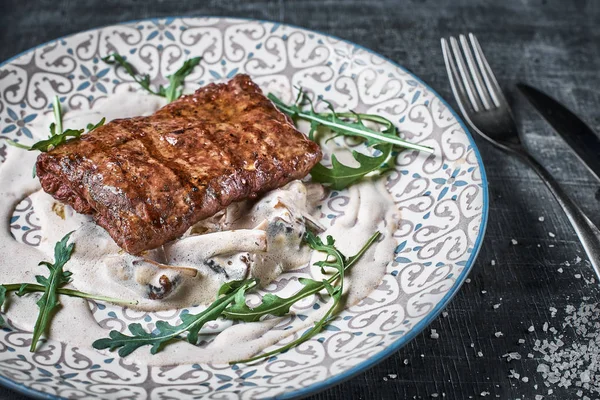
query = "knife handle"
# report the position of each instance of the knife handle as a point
(588, 233)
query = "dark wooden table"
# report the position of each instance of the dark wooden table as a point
(554, 45)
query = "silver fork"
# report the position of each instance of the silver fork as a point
(487, 112)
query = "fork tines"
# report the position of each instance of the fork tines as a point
(476, 86)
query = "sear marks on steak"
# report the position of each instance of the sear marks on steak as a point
(146, 180)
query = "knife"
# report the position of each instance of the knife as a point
(580, 137)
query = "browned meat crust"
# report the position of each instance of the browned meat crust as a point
(146, 180)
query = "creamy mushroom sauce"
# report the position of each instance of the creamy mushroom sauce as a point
(261, 238)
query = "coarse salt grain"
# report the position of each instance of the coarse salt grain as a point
(541, 219)
(498, 334)
(512, 356)
(514, 242)
(496, 306)
(531, 328)
(560, 270)
(493, 262)
(551, 234)
(434, 334)
(444, 314)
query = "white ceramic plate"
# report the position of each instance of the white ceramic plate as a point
(442, 197)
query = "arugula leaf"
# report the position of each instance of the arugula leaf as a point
(176, 80)
(57, 135)
(143, 80)
(340, 176)
(64, 255)
(350, 124)
(271, 304)
(49, 300)
(277, 306)
(56, 140)
(336, 260)
(191, 323)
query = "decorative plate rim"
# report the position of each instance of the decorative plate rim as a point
(419, 326)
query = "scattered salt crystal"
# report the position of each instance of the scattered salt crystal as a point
(422, 355)
(514, 374)
(434, 334)
(553, 310)
(479, 354)
(512, 356)
(541, 219)
(551, 234)
(545, 327)
(444, 314)
(493, 262)
(498, 334)
(468, 280)
(585, 376)
(538, 397)
(550, 245)
(525, 379)
(483, 291)
(560, 270)
(434, 395)
(531, 328)
(543, 368)
(521, 341)
(529, 355)
(514, 242)
(496, 306)
(385, 378)
(577, 260)
(577, 276)
(405, 361)
(483, 394)
(472, 345)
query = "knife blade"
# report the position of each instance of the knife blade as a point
(578, 135)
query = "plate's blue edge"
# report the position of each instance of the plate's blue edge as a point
(421, 325)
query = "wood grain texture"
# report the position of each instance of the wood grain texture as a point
(552, 45)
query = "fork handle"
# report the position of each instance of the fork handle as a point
(588, 233)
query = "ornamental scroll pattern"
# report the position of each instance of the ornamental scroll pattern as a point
(440, 196)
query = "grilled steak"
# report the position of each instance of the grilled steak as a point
(146, 180)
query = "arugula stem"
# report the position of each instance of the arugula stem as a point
(56, 108)
(307, 335)
(31, 287)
